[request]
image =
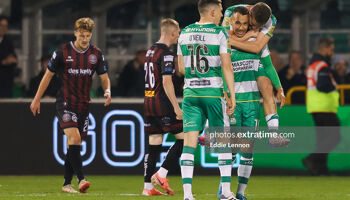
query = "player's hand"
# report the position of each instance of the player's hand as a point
(280, 96)
(252, 34)
(35, 107)
(178, 113)
(231, 106)
(107, 95)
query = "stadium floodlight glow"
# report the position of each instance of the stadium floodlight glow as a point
(130, 153)
(91, 132)
(104, 138)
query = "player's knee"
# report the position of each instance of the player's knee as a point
(155, 139)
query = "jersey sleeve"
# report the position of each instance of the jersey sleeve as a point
(102, 67)
(224, 43)
(167, 63)
(270, 71)
(55, 62)
(226, 21)
(269, 27)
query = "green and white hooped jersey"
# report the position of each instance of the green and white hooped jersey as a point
(245, 66)
(201, 46)
(267, 28)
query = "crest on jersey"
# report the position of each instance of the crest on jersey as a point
(92, 59)
(66, 117)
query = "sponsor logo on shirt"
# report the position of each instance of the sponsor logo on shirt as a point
(80, 71)
(168, 58)
(69, 59)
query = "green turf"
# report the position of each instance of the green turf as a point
(205, 187)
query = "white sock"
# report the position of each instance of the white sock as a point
(187, 166)
(148, 186)
(225, 166)
(272, 121)
(162, 172)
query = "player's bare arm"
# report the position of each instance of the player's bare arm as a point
(181, 64)
(251, 46)
(229, 78)
(35, 105)
(106, 86)
(170, 92)
(247, 36)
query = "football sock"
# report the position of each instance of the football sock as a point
(244, 171)
(151, 161)
(172, 158)
(272, 121)
(148, 186)
(75, 160)
(225, 166)
(68, 172)
(187, 165)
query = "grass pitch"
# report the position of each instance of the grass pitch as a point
(204, 187)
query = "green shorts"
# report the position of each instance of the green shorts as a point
(261, 72)
(247, 114)
(197, 110)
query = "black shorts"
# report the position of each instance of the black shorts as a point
(162, 125)
(68, 119)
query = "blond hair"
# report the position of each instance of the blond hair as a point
(166, 23)
(85, 23)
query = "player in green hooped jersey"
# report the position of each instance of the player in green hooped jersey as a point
(245, 67)
(263, 20)
(204, 55)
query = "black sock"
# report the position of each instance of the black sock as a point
(150, 161)
(68, 172)
(172, 158)
(75, 160)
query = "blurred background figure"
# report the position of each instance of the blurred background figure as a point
(293, 74)
(132, 79)
(276, 61)
(8, 61)
(341, 74)
(35, 81)
(322, 103)
(340, 70)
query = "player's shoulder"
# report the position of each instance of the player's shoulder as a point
(94, 47)
(229, 10)
(188, 28)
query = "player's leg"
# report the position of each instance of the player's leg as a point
(269, 103)
(193, 122)
(251, 113)
(153, 151)
(172, 159)
(233, 128)
(216, 108)
(68, 121)
(74, 157)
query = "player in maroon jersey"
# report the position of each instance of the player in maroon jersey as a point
(162, 112)
(75, 63)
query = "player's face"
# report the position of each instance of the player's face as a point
(3, 27)
(330, 51)
(83, 38)
(239, 24)
(175, 34)
(255, 25)
(218, 14)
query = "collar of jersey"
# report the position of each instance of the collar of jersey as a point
(71, 43)
(209, 23)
